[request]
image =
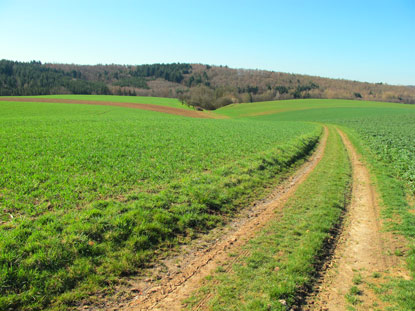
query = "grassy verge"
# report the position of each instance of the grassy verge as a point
(283, 257)
(399, 218)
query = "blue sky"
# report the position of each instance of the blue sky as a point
(359, 40)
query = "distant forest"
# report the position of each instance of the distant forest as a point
(204, 86)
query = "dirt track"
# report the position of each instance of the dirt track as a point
(361, 250)
(157, 108)
(185, 272)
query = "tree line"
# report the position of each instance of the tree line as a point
(17, 78)
(197, 85)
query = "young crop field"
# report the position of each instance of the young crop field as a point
(92, 195)
(88, 192)
(304, 105)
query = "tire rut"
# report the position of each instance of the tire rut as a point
(361, 250)
(202, 303)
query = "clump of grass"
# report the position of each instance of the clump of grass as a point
(352, 296)
(354, 290)
(376, 275)
(357, 279)
(398, 252)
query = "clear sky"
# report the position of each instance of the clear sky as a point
(359, 40)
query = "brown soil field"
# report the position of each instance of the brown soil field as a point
(151, 107)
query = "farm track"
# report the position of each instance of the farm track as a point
(150, 107)
(186, 272)
(360, 252)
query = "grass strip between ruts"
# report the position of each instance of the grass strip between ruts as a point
(282, 259)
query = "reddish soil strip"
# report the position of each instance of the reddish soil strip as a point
(184, 273)
(361, 250)
(151, 107)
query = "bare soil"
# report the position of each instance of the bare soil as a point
(151, 107)
(363, 254)
(177, 277)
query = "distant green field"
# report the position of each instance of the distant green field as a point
(171, 102)
(87, 192)
(283, 106)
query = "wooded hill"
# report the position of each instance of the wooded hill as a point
(205, 86)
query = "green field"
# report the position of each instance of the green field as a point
(302, 106)
(87, 193)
